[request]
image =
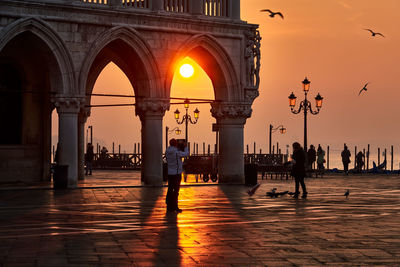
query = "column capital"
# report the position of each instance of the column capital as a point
(231, 110)
(151, 107)
(68, 104)
(84, 113)
(250, 94)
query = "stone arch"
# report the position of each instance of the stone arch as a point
(63, 82)
(215, 61)
(128, 50)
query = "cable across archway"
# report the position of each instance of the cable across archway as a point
(192, 100)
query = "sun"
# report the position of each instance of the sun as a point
(186, 70)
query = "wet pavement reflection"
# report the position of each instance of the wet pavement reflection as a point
(220, 225)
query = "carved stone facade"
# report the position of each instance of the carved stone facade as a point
(57, 49)
(68, 104)
(151, 107)
(253, 56)
(223, 110)
(84, 114)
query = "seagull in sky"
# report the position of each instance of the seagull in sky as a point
(272, 14)
(347, 193)
(374, 33)
(363, 89)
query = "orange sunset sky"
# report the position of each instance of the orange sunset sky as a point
(324, 40)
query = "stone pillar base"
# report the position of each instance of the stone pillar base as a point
(231, 161)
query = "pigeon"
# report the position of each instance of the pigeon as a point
(273, 193)
(374, 33)
(363, 89)
(272, 14)
(252, 190)
(347, 193)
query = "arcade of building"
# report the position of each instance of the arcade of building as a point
(51, 53)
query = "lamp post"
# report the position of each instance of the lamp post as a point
(167, 131)
(91, 133)
(305, 105)
(281, 129)
(187, 118)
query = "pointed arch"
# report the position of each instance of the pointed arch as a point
(214, 60)
(55, 44)
(128, 50)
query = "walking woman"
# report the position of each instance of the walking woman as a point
(298, 170)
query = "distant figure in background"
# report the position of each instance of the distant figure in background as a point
(174, 155)
(311, 156)
(89, 159)
(346, 159)
(320, 158)
(298, 169)
(57, 155)
(360, 161)
(103, 156)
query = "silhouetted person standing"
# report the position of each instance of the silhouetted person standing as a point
(174, 157)
(360, 161)
(89, 158)
(103, 156)
(311, 156)
(320, 160)
(346, 159)
(298, 170)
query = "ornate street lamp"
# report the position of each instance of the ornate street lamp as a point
(306, 85)
(176, 114)
(305, 105)
(281, 129)
(187, 118)
(318, 101)
(176, 130)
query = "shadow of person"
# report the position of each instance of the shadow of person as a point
(150, 198)
(168, 248)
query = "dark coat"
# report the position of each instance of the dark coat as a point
(311, 155)
(89, 154)
(346, 156)
(299, 170)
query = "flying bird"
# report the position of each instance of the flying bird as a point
(272, 14)
(374, 33)
(363, 89)
(347, 193)
(252, 190)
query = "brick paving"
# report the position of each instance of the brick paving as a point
(220, 225)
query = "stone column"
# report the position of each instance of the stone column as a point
(68, 109)
(114, 2)
(196, 7)
(235, 9)
(231, 118)
(82, 118)
(156, 5)
(151, 113)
